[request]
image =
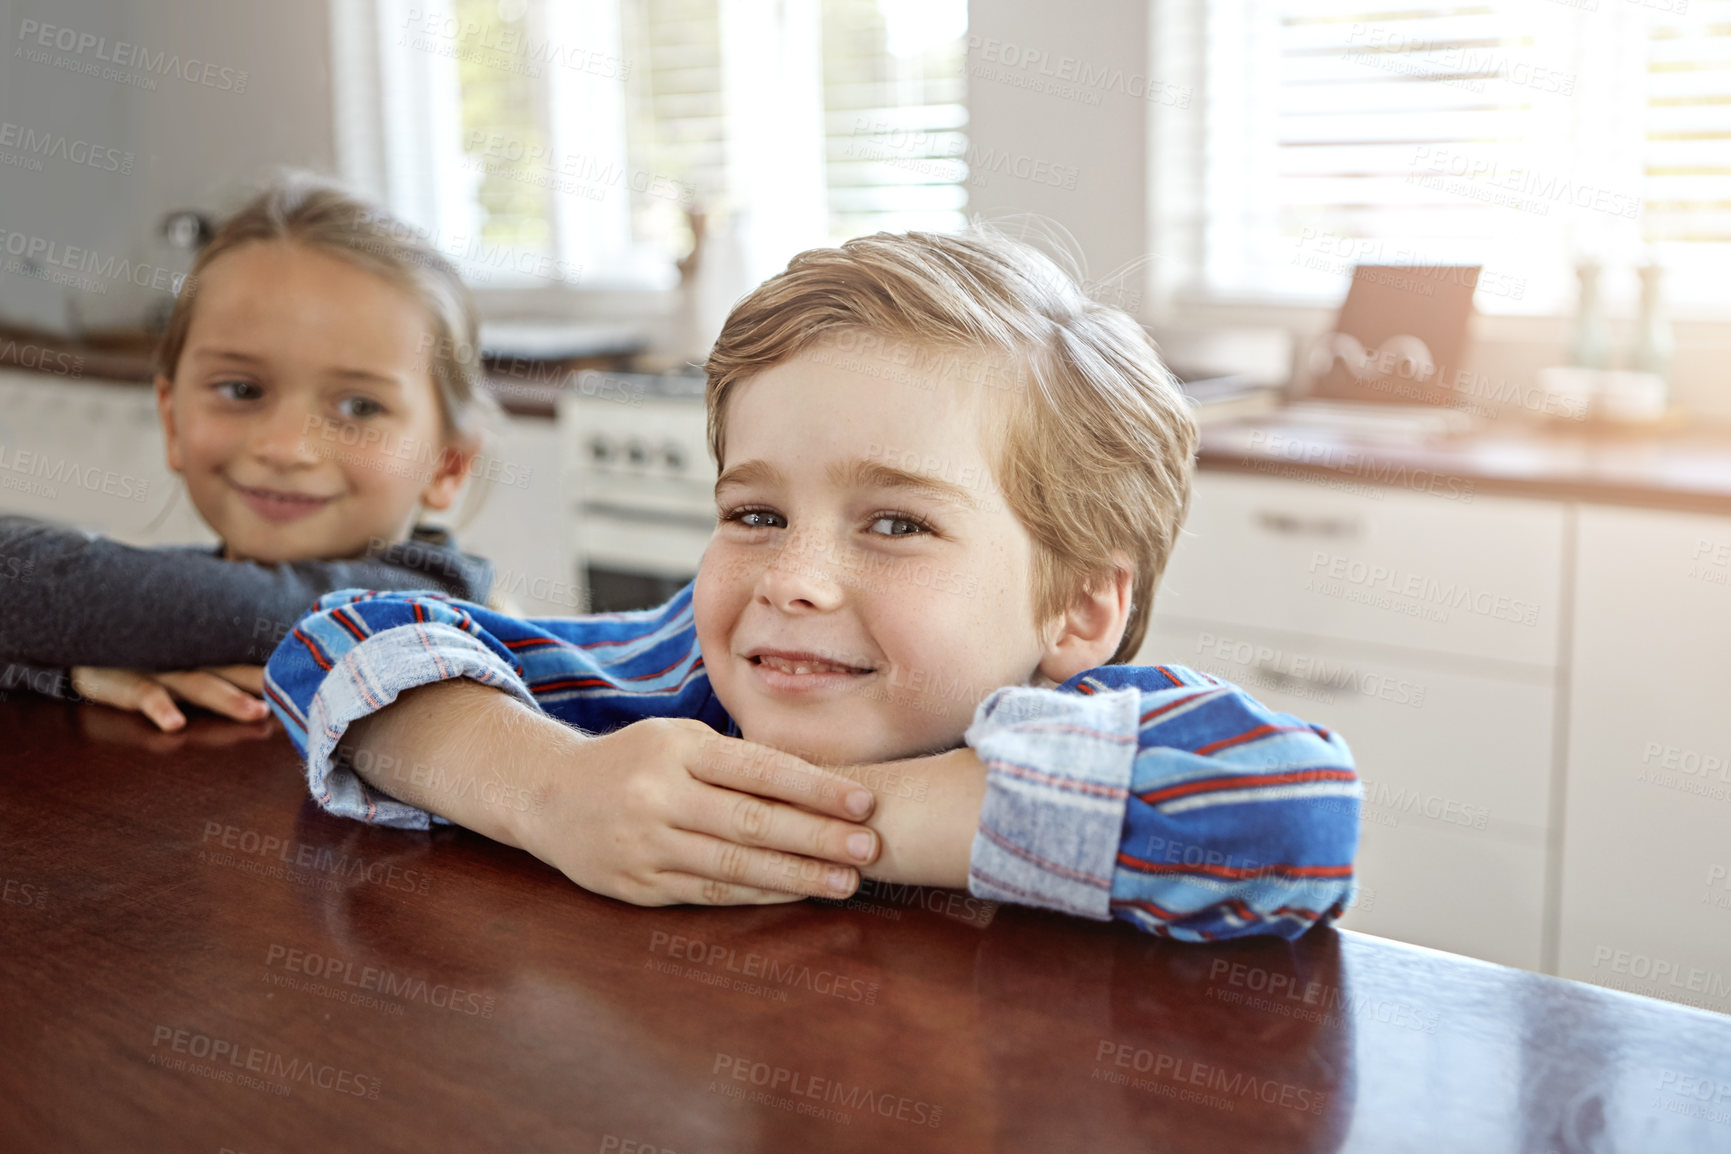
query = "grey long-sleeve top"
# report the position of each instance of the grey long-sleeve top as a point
(69, 598)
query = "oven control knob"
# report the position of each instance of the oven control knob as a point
(600, 448)
(673, 455)
(636, 452)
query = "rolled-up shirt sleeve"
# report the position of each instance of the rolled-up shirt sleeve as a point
(1057, 773)
(1166, 798)
(339, 666)
(358, 650)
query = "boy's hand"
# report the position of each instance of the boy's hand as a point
(668, 811)
(227, 689)
(660, 812)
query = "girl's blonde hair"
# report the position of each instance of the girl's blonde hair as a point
(326, 217)
(1098, 442)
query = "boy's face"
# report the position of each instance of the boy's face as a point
(861, 526)
(302, 415)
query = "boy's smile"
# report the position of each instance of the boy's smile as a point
(801, 671)
(866, 586)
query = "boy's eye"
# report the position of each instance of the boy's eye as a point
(899, 525)
(239, 390)
(756, 518)
(359, 408)
(886, 524)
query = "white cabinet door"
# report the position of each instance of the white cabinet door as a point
(1646, 888)
(514, 513)
(1472, 577)
(89, 453)
(1456, 765)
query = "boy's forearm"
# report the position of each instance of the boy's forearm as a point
(928, 809)
(461, 750)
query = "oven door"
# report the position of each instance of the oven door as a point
(636, 557)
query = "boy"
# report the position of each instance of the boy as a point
(948, 486)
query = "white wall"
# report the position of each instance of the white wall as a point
(1028, 102)
(197, 142)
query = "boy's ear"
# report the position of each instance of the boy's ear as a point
(450, 471)
(1088, 633)
(165, 411)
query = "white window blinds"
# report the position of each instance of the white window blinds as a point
(1687, 162)
(569, 138)
(895, 117)
(1522, 135)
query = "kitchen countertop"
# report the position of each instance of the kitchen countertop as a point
(1680, 467)
(1685, 467)
(526, 382)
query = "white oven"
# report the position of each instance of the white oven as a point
(641, 482)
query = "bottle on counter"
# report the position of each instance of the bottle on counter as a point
(1589, 342)
(1654, 342)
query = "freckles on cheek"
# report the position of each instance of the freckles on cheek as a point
(1007, 571)
(709, 610)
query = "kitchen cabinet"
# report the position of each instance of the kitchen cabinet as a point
(1467, 578)
(1536, 695)
(1423, 629)
(513, 514)
(1646, 885)
(1456, 770)
(90, 454)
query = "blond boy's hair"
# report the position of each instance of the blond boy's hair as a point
(323, 216)
(1098, 442)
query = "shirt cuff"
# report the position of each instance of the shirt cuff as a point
(368, 678)
(1057, 781)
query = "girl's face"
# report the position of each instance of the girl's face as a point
(303, 414)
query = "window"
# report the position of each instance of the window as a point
(1687, 163)
(572, 141)
(1522, 136)
(895, 117)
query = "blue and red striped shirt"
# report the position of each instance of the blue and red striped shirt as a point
(1154, 794)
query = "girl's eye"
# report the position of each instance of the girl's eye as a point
(755, 518)
(359, 408)
(239, 390)
(900, 525)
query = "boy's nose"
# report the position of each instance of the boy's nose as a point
(802, 577)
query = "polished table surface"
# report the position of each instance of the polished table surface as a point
(193, 957)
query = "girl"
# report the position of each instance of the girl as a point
(317, 388)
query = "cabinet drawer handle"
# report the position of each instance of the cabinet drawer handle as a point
(1282, 679)
(1292, 525)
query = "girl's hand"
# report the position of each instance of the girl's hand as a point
(225, 689)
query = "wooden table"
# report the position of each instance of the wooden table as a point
(193, 957)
